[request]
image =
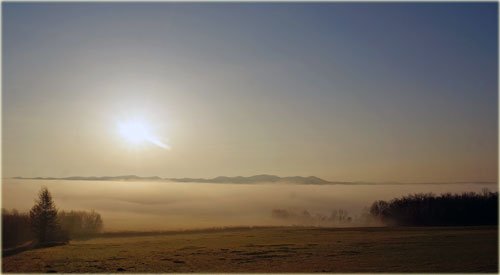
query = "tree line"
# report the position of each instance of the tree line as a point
(44, 224)
(465, 209)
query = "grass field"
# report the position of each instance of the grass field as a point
(285, 249)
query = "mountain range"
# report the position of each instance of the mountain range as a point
(221, 179)
(264, 178)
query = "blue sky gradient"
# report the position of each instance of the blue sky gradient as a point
(344, 91)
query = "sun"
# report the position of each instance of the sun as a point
(137, 132)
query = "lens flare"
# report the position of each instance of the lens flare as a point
(139, 132)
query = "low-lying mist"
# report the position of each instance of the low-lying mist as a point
(150, 205)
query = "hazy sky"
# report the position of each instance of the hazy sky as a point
(343, 91)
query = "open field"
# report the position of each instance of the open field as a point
(278, 249)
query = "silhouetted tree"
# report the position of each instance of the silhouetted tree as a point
(43, 217)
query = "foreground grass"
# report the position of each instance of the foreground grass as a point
(289, 249)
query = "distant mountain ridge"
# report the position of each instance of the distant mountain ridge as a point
(221, 179)
(257, 179)
(263, 178)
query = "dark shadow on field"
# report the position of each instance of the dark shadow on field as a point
(29, 246)
(18, 249)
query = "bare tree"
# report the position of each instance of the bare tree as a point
(93, 222)
(80, 223)
(340, 215)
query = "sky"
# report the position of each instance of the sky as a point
(343, 91)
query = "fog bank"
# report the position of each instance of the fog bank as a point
(149, 205)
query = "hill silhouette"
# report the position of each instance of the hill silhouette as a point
(221, 179)
(263, 178)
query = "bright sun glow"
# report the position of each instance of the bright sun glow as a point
(139, 132)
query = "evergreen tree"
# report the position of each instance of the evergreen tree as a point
(43, 217)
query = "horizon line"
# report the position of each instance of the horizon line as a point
(277, 178)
